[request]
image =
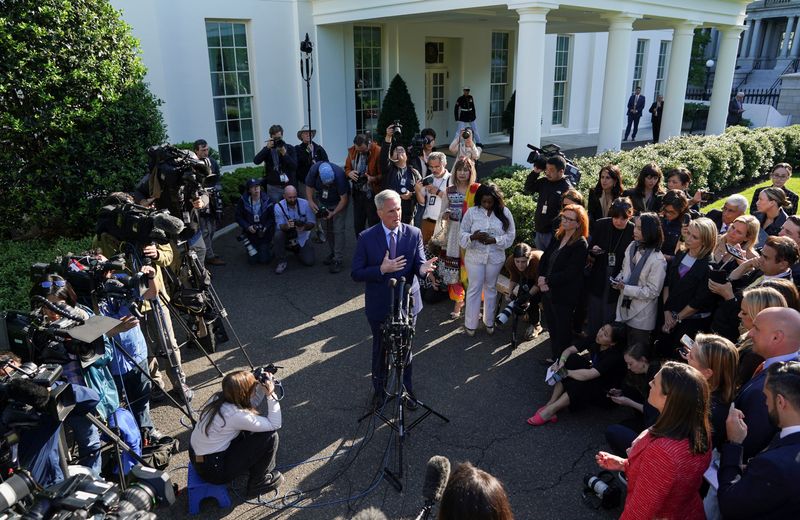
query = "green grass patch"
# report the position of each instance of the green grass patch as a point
(792, 184)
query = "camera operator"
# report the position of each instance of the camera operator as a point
(294, 220)
(422, 149)
(280, 164)
(256, 216)
(548, 190)
(211, 214)
(327, 193)
(160, 256)
(364, 172)
(464, 146)
(308, 153)
(431, 191)
(89, 369)
(398, 176)
(130, 377)
(464, 112)
(231, 437)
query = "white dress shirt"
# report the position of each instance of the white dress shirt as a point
(476, 219)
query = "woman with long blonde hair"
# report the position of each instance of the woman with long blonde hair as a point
(460, 196)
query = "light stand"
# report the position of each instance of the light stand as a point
(306, 72)
(397, 332)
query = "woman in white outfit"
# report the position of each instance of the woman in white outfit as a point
(487, 229)
(641, 280)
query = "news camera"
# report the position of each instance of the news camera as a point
(517, 306)
(84, 496)
(139, 225)
(418, 143)
(571, 172)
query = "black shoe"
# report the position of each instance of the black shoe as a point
(270, 482)
(479, 145)
(336, 267)
(328, 260)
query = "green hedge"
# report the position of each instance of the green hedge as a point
(719, 162)
(16, 258)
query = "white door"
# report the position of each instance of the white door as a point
(437, 106)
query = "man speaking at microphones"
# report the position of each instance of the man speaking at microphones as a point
(387, 250)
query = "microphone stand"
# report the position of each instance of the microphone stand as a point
(397, 333)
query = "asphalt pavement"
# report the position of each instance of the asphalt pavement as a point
(312, 324)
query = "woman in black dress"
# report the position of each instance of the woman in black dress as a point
(561, 276)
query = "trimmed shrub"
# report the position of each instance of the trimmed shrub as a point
(397, 105)
(718, 162)
(16, 258)
(233, 183)
(77, 117)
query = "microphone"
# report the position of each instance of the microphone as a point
(28, 392)
(392, 284)
(171, 226)
(59, 308)
(400, 290)
(436, 475)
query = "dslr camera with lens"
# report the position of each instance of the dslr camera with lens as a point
(517, 306)
(466, 134)
(323, 212)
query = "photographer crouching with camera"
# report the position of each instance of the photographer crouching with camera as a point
(294, 220)
(231, 437)
(256, 216)
(327, 193)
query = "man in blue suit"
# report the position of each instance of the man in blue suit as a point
(389, 249)
(635, 108)
(776, 337)
(768, 487)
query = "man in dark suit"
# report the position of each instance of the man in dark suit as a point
(388, 250)
(635, 109)
(776, 337)
(768, 487)
(735, 109)
(656, 109)
(734, 207)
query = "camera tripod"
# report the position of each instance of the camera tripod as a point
(397, 333)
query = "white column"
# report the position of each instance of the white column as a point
(784, 52)
(615, 81)
(529, 78)
(753, 48)
(723, 78)
(795, 52)
(677, 77)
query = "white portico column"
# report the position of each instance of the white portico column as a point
(785, 49)
(677, 77)
(753, 47)
(529, 77)
(615, 81)
(723, 78)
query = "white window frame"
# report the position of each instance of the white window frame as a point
(373, 91)
(498, 81)
(561, 71)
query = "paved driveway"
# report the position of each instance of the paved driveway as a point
(312, 324)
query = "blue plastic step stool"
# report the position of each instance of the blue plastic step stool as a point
(199, 489)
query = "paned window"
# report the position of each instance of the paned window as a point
(368, 87)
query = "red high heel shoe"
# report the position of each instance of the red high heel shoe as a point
(538, 420)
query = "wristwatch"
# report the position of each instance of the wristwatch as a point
(675, 317)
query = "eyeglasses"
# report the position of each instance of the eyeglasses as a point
(48, 284)
(568, 219)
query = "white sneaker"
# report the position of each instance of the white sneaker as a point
(281, 268)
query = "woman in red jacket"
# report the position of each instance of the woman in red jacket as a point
(666, 462)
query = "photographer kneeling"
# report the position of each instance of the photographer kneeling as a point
(232, 438)
(255, 215)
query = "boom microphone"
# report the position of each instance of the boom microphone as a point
(28, 392)
(59, 308)
(172, 226)
(436, 475)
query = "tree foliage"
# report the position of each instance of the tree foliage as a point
(397, 105)
(76, 117)
(697, 65)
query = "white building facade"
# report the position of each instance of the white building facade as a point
(228, 71)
